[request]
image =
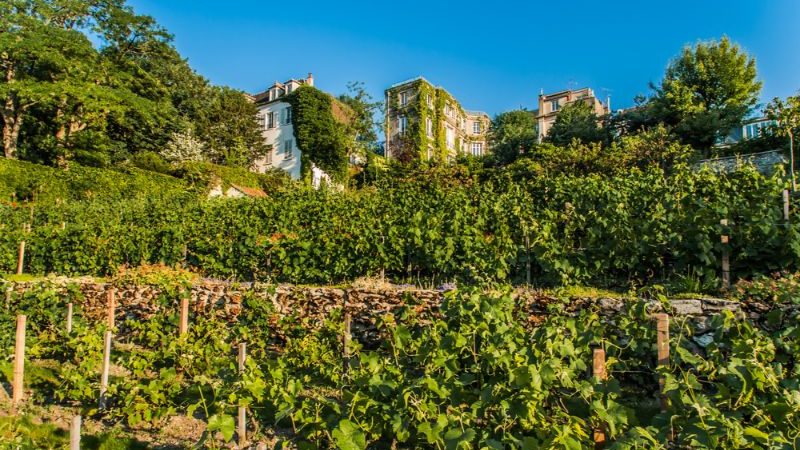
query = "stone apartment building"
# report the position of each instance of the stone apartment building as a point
(426, 122)
(551, 104)
(275, 118)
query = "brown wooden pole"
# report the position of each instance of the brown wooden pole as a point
(184, 324)
(662, 343)
(599, 372)
(19, 360)
(75, 433)
(726, 263)
(106, 366)
(112, 307)
(786, 205)
(242, 429)
(69, 317)
(21, 257)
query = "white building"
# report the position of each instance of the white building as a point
(275, 116)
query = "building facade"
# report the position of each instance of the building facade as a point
(426, 122)
(551, 104)
(750, 129)
(275, 119)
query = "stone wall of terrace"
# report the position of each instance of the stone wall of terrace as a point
(310, 306)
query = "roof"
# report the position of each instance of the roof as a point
(250, 192)
(262, 96)
(566, 91)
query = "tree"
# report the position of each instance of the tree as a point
(363, 124)
(706, 91)
(787, 115)
(512, 133)
(576, 120)
(230, 128)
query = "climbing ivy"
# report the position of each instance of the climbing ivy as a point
(322, 137)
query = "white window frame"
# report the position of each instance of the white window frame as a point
(271, 120)
(477, 148)
(554, 105)
(268, 156)
(476, 127)
(429, 100)
(288, 148)
(429, 127)
(404, 98)
(402, 124)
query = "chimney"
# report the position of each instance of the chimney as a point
(310, 79)
(608, 104)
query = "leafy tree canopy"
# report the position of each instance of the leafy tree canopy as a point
(513, 133)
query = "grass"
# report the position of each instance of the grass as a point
(585, 292)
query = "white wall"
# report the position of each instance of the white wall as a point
(276, 137)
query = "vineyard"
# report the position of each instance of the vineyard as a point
(472, 375)
(441, 225)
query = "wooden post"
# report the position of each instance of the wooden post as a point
(69, 317)
(242, 430)
(21, 257)
(184, 325)
(599, 372)
(112, 307)
(106, 365)
(726, 263)
(786, 205)
(346, 337)
(75, 433)
(19, 360)
(662, 343)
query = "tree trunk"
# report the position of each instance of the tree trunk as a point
(12, 119)
(12, 123)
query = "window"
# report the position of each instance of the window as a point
(448, 111)
(429, 99)
(450, 137)
(287, 149)
(268, 156)
(261, 120)
(403, 98)
(402, 124)
(430, 152)
(554, 106)
(476, 128)
(271, 119)
(477, 148)
(287, 116)
(429, 127)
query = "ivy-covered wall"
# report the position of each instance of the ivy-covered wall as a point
(414, 144)
(321, 131)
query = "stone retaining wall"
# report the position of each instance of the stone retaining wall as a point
(311, 305)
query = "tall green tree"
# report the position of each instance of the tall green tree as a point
(706, 91)
(577, 120)
(363, 121)
(512, 134)
(787, 115)
(230, 129)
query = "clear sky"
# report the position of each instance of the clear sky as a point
(492, 55)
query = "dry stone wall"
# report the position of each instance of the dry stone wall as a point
(312, 305)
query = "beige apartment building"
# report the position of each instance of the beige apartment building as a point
(551, 104)
(426, 122)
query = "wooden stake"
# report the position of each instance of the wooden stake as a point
(183, 328)
(599, 372)
(786, 205)
(69, 317)
(19, 360)
(106, 365)
(726, 263)
(112, 307)
(662, 343)
(75, 433)
(21, 257)
(242, 430)
(346, 337)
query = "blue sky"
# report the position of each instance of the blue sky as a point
(493, 56)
